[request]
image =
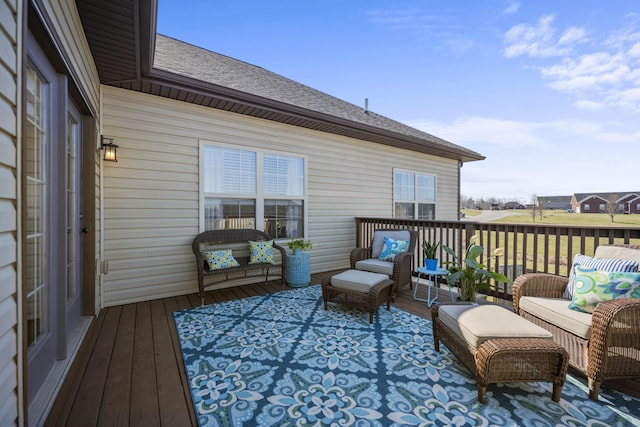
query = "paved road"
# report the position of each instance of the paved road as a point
(488, 215)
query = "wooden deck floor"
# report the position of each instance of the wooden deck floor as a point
(130, 371)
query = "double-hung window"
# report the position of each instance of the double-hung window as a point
(245, 188)
(414, 195)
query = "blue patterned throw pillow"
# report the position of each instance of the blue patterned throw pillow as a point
(594, 286)
(261, 252)
(605, 264)
(218, 260)
(391, 248)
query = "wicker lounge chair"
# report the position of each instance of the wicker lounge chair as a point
(603, 345)
(366, 259)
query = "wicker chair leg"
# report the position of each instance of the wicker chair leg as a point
(557, 392)
(594, 389)
(371, 316)
(482, 394)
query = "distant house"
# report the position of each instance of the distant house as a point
(627, 202)
(512, 205)
(630, 203)
(203, 140)
(554, 202)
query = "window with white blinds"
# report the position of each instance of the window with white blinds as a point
(414, 195)
(254, 189)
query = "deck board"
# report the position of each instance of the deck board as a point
(174, 409)
(87, 402)
(115, 407)
(131, 370)
(144, 389)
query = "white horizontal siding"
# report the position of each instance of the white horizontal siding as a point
(152, 192)
(10, 343)
(65, 22)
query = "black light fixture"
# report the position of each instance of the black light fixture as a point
(110, 149)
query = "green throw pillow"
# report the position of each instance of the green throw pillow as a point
(595, 286)
(391, 248)
(261, 252)
(218, 260)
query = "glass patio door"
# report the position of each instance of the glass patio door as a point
(40, 294)
(51, 200)
(73, 289)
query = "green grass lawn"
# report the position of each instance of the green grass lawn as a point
(562, 258)
(564, 218)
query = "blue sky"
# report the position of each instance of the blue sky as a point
(548, 91)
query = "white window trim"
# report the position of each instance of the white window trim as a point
(415, 201)
(259, 197)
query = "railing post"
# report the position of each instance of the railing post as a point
(469, 230)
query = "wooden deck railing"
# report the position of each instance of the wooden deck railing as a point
(527, 247)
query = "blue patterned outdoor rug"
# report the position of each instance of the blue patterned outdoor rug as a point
(282, 360)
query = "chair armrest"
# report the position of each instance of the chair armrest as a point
(402, 269)
(543, 285)
(283, 257)
(614, 325)
(358, 254)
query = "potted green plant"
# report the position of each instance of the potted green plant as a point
(469, 273)
(298, 245)
(430, 250)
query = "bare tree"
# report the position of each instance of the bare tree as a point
(534, 206)
(611, 208)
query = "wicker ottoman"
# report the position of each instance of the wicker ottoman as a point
(496, 346)
(358, 289)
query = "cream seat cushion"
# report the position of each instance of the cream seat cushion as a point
(375, 266)
(355, 280)
(557, 312)
(479, 323)
(618, 252)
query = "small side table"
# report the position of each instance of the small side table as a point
(432, 279)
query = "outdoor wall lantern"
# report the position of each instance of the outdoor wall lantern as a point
(110, 149)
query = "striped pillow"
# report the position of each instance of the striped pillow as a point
(607, 264)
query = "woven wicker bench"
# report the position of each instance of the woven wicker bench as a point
(358, 289)
(496, 346)
(238, 241)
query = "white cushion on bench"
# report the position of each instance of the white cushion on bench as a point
(374, 265)
(556, 311)
(356, 280)
(478, 323)
(618, 252)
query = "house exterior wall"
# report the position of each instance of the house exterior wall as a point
(630, 204)
(67, 29)
(10, 334)
(592, 205)
(152, 193)
(64, 26)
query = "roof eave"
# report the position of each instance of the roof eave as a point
(267, 106)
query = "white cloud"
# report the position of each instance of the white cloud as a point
(589, 72)
(485, 131)
(512, 7)
(606, 73)
(481, 130)
(589, 105)
(629, 99)
(540, 40)
(572, 35)
(559, 155)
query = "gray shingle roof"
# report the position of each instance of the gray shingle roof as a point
(200, 64)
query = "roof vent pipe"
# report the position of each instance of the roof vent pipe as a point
(366, 106)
